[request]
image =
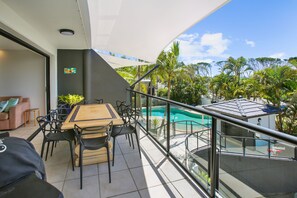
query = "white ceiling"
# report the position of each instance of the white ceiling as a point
(48, 16)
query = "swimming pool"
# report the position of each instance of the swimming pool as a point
(179, 115)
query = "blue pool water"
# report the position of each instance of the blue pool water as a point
(178, 114)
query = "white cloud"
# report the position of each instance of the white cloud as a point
(278, 55)
(250, 43)
(216, 44)
(195, 48)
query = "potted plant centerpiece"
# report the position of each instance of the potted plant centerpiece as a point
(70, 99)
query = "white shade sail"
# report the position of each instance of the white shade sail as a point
(143, 28)
(117, 62)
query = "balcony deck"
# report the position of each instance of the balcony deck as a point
(154, 175)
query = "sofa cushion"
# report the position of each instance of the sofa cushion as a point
(3, 116)
(3, 105)
(11, 103)
(6, 98)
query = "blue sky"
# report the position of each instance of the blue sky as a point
(249, 28)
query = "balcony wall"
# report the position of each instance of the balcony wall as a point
(94, 78)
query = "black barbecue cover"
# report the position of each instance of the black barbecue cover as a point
(18, 159)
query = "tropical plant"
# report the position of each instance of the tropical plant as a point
(70, 99)
(189, 91)
(251, 88)
(168, 62)
(201, 69)
(155, 122)
(293, 61)
(162, 92)
(224, 86)
(236, 67)
(277, 85)
(268, 62)
(290, 116)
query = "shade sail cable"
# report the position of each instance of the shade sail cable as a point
(145, 75)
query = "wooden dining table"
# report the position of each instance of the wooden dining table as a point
(87, 116)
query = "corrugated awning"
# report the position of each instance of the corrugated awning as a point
(142, 29)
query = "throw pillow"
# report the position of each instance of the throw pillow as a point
(11, 103)
(3, 105)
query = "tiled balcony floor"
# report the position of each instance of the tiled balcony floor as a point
(154, 175)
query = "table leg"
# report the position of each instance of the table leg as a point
(25, 118)
(34, 118)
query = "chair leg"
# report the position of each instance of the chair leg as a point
(129, 140)
(137, 140)
(42, 149)
(132, 140)
(53, 143)
(80, 165)
(71, 153)
(113, 150)
(108, 162)
(48, 144)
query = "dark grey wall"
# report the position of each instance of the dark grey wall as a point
(70, 83)
(102, 81)
(94, 78)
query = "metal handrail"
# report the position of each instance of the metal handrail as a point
(213, 169)
(234, 121)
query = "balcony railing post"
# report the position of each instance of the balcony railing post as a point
(168, 127)
(243, 146)
(174, 126)
(213, 159)
(140, 108)
(220, 143)
(269, 149)
(147, 114)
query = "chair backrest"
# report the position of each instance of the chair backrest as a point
(120, 107)
(99, 101)
(93, 132)
(130, 116)
(63, 112)
(43, 122)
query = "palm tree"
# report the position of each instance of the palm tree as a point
(223, 85)
(236, 67)
(277, 85)
(169, 65)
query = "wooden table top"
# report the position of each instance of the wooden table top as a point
(92, 115)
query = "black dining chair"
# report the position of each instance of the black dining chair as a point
(93, 138)
(56, 118)
(99, 101)
(121, 108)
(52, 133)
(130, 119)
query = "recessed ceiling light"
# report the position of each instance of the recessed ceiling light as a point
(67, 32)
